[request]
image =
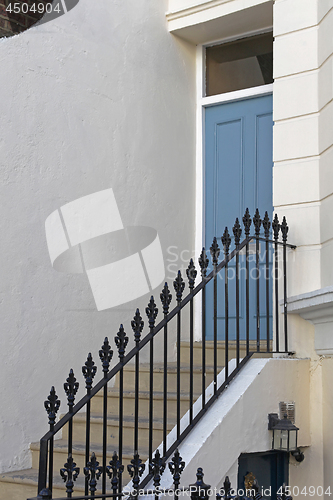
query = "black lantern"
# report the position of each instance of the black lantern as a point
(284, 435)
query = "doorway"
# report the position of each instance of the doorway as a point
(270, 469)
(238, 175)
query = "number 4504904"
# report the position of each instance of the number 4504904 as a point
(25, 8)
(310, 491)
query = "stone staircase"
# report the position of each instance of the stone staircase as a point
(22, 484)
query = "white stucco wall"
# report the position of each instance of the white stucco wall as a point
(303, 92)
(101, 97)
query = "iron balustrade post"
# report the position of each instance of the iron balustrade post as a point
(166, 298)
(226, 240)
(71, 387)
(176, 467)
(215, 252)
(42, 472)
(284, 231)
(247, 225)
(267, 225)
(199, 490)
(179, 286)
(151, 311)
(191, 275)
(89, 371)
(105, 355)
(276, 229)
(115, 471)
(121, 341)
(237, 234)
(92, 472)
(137, 327)
(52, 405)
(257, 224)
(135, 469)
(203, 263)
(156, 469)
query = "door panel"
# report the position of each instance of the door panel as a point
(238, 175)
(269, 468)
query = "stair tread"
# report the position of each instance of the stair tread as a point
(79, 448)
(172, 368)
(30, 477)
(130, 394)
(25, 475)
(128, 420)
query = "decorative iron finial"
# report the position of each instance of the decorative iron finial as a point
(257, 222)
(191, 274)
(179, 286)
(105, 354)
(237, 230)
(284, 230)
(226, 240)
(199, 488)
(44, 494)
(121, 341)
(267, 225)
(114, 471)
(227, 489)
(93, 472)
(151, 311)
(215, 252)
(89, 371)
(166, 298)
(176, 466)
(247, 223)
(69, 473)
(276, 227)
(135, 470)
(156, 468)
(137, 325)
(71, 387)
(203, 262)
(52, 406)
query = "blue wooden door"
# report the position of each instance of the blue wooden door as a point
(238, 175)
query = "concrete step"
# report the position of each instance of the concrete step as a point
(61, 454)
(23, 484)
(144, 404)
(129, 377)
(96, 430)
(209, 351)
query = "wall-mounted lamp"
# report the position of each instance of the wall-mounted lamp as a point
(284, 435)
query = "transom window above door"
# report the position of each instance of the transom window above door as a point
(240, 64)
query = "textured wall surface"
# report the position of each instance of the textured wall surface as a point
(303, 113)
(102, 97)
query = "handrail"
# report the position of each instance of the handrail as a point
(116, 369)
(52, 405)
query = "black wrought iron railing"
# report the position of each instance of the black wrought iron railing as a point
(239, 307)
(196, 491)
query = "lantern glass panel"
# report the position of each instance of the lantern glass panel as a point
(293, 440)
(276, 440)
(284, 440)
